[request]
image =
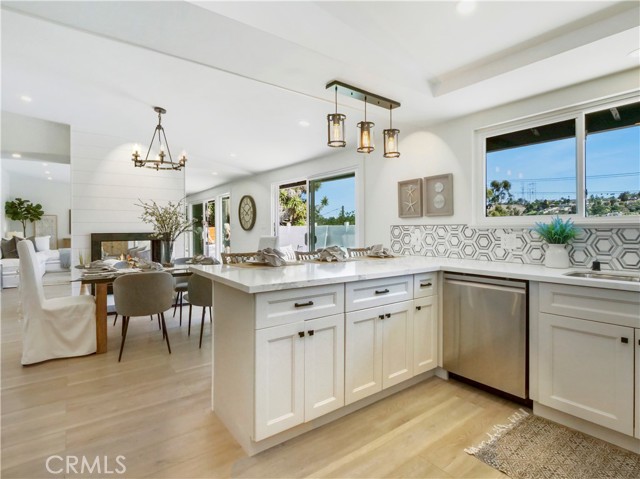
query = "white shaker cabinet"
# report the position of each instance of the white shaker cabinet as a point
(299, 374)
(637, 346)
(587, 370)
(425, 334)
(379, 349)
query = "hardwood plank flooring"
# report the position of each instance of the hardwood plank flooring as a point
(154, 409)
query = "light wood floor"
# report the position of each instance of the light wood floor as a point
(153, 408)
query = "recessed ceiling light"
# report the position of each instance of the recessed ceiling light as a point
(303, 123)
(214, 173)
(47, 172)
(465, 7)
(16, 155)
(45, 164)
(634, 53)
(49, 178)
(26, 98)
(233, 155)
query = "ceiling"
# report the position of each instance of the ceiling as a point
(236, 78)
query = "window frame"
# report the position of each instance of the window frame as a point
(578, 113)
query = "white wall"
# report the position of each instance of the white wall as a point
(105, 188)
(4, 197)
(54, 196)
(433, 150)
(259, 186)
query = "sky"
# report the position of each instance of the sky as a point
(548, 170)
(339, 192)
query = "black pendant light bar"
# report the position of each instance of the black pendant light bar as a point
(363, 95)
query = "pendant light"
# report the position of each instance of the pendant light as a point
(365, 143)
(391, 139)
(335, 124)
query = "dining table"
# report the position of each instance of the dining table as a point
(100, 281)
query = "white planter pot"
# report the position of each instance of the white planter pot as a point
(556, 256)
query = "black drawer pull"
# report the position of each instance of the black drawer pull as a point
(388, 315)
(384, 291)
(302, 305)
(418, 308)
(301, 334)
(381, 316)
(624, 340)
(311, 332)
(425, 285)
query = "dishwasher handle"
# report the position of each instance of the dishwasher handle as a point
(487, 286)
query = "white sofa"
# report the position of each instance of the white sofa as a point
(48, 261)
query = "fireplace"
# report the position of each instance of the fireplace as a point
(120, 245)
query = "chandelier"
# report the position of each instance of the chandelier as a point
(365, 137)
(163, 160)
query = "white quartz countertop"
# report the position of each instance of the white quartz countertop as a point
(257, 279)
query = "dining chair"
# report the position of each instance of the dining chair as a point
(356, 252)
(52, 328)
(111, 308)
(306, 255)
(235, 258)
(143, 294)
(180, 286)
(200, 293)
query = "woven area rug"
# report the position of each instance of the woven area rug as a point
(531, 447)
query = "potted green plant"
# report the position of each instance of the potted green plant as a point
(557, 234)
(168, 222)
(23, 211)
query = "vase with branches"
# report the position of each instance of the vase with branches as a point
(168, 222)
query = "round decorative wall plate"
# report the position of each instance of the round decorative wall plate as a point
(247, 212)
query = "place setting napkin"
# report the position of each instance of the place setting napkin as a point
(332, 253)
(378, 251)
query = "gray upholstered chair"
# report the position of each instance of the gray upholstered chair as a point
(143, 294)
(180, 287)
(200, 293)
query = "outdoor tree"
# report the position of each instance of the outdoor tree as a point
(23, 211)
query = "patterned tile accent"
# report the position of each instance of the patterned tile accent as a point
(615, 248)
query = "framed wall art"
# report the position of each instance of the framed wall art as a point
(438, 195)
(410, 198)
(48, 226)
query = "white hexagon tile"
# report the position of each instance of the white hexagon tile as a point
(615, 248)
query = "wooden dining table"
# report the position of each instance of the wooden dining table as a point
(100, 284)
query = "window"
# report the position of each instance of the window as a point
(583, 164)
(317, 213)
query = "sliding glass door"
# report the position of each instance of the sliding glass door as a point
(332, 216)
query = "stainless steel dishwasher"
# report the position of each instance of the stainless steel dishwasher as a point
(485, 331)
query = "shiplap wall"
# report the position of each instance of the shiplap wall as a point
(105, 187)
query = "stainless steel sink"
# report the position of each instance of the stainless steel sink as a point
(606, 275)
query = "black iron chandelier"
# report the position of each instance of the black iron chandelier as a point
(163, 160)
(365, 138)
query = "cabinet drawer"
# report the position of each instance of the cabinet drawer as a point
(290, 305)
(603, 305)
(377, 292)
(425, 284)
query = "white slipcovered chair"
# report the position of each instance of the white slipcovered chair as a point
(52, 328)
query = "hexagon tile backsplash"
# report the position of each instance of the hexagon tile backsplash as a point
(615, 248)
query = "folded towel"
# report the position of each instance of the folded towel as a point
(379, 252)
(332, 253)
(272, 257)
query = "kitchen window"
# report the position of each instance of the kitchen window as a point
(582, 164)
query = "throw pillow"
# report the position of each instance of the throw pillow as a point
(9, 247)
(33, 240)
(42, 243)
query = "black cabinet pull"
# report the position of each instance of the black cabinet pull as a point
(302, 305)
(418, 308)
(384, 291)
(311, 332)
(381, 316)
(301, 334)
(624, 340)
(425, 285)
(388, 315)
